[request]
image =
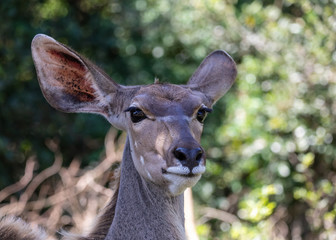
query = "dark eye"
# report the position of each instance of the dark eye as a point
(137, 114)
(202, 113)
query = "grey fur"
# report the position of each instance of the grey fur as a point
(144, 210)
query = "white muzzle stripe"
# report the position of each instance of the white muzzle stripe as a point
(180, 170)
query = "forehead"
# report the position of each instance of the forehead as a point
(166, 99)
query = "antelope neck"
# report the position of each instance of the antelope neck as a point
(144, 210)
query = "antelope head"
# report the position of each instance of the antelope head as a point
(164, 122)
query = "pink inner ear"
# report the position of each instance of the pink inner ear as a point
(71, 75)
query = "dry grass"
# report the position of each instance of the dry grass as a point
(60, 197)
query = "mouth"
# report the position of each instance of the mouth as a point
(179, 178)
(185, 171)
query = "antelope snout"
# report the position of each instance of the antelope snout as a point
(189, 157)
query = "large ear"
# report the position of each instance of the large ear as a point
(71, 83)
(214, 76)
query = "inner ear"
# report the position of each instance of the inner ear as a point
(73, 75)
(65, 78)
(215, 76)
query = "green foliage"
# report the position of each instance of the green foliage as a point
(270, 141)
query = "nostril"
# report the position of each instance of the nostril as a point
(180, 154)
(199, 155)
(185, 155)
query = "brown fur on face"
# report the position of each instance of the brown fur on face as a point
(171, 123)
(169, 99)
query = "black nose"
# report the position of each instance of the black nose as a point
(189, 157)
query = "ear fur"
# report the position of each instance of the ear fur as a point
(65, 78)
(214, 76)
(71, 83)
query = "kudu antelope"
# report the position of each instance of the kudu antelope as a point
(162, 155)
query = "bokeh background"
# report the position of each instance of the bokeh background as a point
(271, 169)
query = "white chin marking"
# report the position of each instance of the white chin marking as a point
(179, 183)
(142, 160)
(198, 170)
(149, 176)
(180, 170)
